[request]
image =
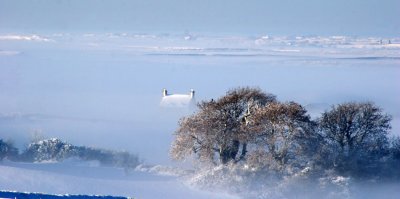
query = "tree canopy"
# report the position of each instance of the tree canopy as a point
(215, 133)
(250, 126)
(356, 133)
(283, 132)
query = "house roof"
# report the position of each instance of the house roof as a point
(177, 100)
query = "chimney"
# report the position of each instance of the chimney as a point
(191, 93)
(165, 92)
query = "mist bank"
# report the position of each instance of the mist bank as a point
(241, 181)
(82, 86)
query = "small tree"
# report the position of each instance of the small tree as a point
(395, 148)
(392, 164)
(216, 131)
(357, 134)
(50, 149)
(7, 150)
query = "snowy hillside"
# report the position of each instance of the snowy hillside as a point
(79, 178)
(342, 47)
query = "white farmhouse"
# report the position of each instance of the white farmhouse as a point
(177, 100)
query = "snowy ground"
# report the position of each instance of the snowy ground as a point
(90, 179)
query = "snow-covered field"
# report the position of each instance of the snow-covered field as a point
(88, 178)
(104, 90)
(77, 178)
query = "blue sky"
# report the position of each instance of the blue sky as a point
(283, 17)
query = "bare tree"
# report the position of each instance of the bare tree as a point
(357, 132)
(215, 133)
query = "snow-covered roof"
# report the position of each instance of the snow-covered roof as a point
(177, 100)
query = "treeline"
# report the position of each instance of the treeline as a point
(250, 127)
(56, 150)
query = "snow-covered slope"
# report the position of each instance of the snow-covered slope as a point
(83, 178)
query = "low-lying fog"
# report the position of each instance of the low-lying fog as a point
(104, 90)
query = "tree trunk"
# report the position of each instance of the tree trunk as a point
(244, 152)
(228, 153)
